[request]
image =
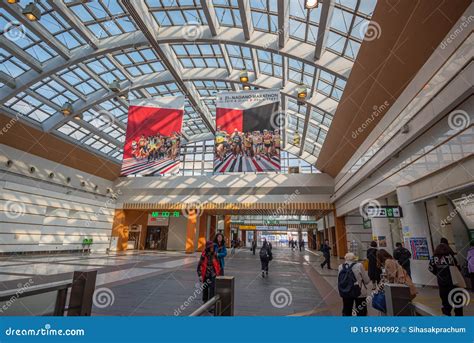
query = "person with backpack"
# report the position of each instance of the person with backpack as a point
(208, 269)
(393, 272)
(265, 257)
(352, 282)
(373, 270)
(444, 265)
(220, 249)
(403, 255)
(326, 250)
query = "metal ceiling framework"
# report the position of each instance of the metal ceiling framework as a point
(161, 40)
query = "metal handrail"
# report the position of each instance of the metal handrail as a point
(214, 301)
(34, 290)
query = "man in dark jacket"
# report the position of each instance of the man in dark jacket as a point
(254, 246)
(326, 250)
(402, 255)
(208, 268)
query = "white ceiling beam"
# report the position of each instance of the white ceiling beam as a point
(148, 25)
(211, 17)
(327, 8)
(246, 18)
(256, 66)
(21, 54)
(329, 62)
(7, 80)
(74, 22)
(283, 22)
(44, 35)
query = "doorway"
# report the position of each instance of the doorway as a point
(156, 238)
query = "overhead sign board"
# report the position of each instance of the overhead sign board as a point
(384, 212)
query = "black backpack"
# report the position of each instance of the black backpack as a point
(347, 282)
(263, 252)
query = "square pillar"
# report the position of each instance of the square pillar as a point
(341, 237)
(227, 230)
(212, 227)
(202, 232)
(191, 231)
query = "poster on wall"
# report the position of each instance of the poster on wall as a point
(248, 132)
(419, 248)
(382, 241)
(153, 138)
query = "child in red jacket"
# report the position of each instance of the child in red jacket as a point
(208, 268)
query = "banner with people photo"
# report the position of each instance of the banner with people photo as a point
(153, 138)
(248, 133)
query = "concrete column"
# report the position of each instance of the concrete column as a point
(213, 227)
(341, 238)
(415, 225)
(227, 230)
(202, 231)
(191, 231)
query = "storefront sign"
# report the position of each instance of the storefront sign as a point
(384, 212)
(165, 214)
(271, 228)
(157, 221)
(247, 227)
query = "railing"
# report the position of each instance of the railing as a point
(212, 305)
(222, 302)
(51, 299)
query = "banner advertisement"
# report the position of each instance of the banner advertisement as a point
(153, 138)
(248, 131)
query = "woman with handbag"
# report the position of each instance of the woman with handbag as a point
(392, 272)
(445, 267)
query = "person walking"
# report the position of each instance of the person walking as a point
(403, 255)
(326, 250)
(265, 257)
(208, 269)
(352, 282)
(470, 264)
(220, 249)
(443, 264)
(302, 245)
(373, 270)
(254, 246)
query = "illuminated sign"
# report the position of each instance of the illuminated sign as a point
(165, 214)
(384, 212)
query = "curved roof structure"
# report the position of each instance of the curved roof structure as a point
(175, 47)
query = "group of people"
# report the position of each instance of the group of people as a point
(354, 281)
(250, 144)
(294, 244)
(156, 147)
(211, 263)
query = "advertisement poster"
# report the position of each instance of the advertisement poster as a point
(382, 241)
(248, 132)
(419, 248)
(153, 138)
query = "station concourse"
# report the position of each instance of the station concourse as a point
(133, 133)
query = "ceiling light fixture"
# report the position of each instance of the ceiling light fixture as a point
(302, 93)
(32, 12)
(13, 1)
(114, 86)
(310, 4)
(244, 76)
(66, 109)
(246, 87)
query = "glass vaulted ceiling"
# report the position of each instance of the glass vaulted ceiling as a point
(78, 47)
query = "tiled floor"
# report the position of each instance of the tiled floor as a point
(166, 283)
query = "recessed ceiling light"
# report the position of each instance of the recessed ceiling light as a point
(32, 12)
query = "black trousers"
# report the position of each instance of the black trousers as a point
(471, 275)
(446, 307)
(327, 260)
(360, 306)
(208, 289)
(264, 263)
